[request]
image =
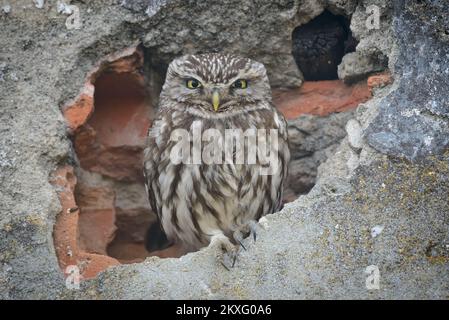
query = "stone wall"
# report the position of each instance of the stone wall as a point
(380, 199)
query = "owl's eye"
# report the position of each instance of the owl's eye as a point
(240, 84)
(193, 84)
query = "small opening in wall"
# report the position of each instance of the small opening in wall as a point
(319, 46)
(106, 213)
(114, 214)
(110, 192)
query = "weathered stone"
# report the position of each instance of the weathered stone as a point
(345, 8)
(374, 32)
(204, 29)
(354, 131)
(413, 121)
(356, 66)
(320, 245)
(313, 139)
(370, 25)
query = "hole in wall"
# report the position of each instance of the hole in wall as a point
(110, 192)
(106, 213)
(319, 46)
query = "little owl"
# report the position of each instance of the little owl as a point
(198, 202)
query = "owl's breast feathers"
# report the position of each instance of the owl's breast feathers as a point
(195, 201)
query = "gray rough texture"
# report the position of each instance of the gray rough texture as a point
(356, 66)
(374, 44)
(354, 131)
(247, 29)
(313, 139)
(258, 29)
(319, 246)
(413, 121)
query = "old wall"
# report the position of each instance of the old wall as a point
(390, 173)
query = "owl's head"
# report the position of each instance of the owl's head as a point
(215, 85)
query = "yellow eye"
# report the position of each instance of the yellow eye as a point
(193, 84)
(240, 84)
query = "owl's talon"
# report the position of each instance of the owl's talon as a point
(224, 265)
(252, 225)
(230, 251)
(238, 237)
(233, 261)
(229, 259)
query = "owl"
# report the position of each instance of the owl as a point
(200, 202)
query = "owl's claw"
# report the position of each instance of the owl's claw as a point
(253, 226)
(229, 250)
(249, 228)
(225, 266)
(238, 237)
(229, 259)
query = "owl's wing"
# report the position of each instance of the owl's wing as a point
(151, 158)
(284, 149)
(155, 238)
(151, 187)
(283, 155)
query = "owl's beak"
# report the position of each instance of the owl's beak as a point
(215, 100)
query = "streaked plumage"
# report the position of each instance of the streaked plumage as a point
(198, 203)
